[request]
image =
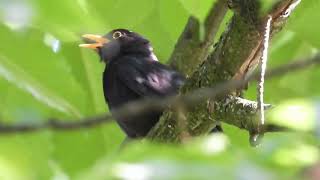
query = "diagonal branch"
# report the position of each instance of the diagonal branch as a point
(213, 22)
(190, 50)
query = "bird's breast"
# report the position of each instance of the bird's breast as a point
(116, 93)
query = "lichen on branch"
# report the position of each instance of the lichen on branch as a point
(234, 57)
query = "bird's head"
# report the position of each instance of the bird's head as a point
(116, 43)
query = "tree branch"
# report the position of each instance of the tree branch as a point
(189, 100)
(205, 113)
(213, 21)
(55, 124)
(190, 50)
(236, 54)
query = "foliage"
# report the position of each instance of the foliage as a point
(43, 74)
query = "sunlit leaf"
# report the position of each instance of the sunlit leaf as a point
(294, 114)
(15, 75)
(307, 10)
(300, 155)
(198, 9)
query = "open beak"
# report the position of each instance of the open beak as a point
(93, 41)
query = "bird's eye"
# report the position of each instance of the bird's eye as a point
(117, 35)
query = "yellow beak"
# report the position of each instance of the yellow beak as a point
(98, 41)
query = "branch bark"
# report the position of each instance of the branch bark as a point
(190, 50)
(237, 53)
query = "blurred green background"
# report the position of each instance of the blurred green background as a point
(44, 74)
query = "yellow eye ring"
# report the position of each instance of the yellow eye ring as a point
(117, 35)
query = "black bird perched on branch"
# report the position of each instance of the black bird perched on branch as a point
(132, 72)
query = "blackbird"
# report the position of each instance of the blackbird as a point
(132, 72)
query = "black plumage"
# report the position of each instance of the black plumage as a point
(133, 72)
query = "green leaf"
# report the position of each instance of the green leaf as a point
(198, 9)
(66, 19)
(303, 22)
(87, 69)
(23, 80)
(25, 157)
(294, 114)
(175, 18)
(299, 155)
(121, 14)
(40, 72)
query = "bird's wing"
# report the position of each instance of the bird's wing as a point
(149, 78)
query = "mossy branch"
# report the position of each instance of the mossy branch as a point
(234, 57)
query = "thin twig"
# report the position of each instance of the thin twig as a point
(55, 124)
(189, 100)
